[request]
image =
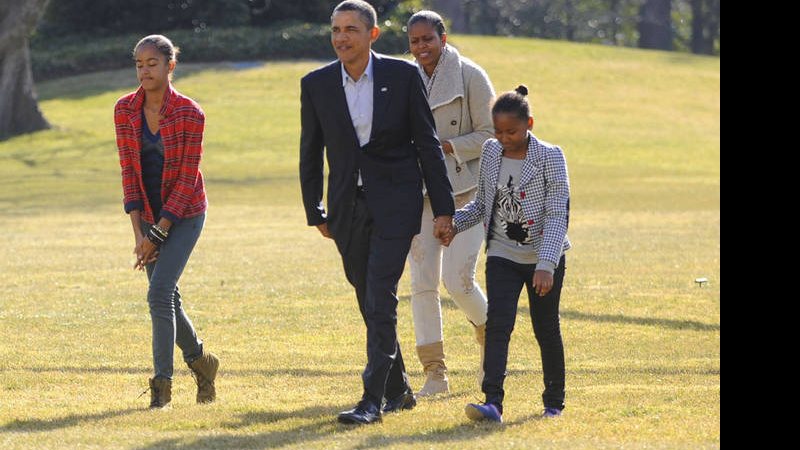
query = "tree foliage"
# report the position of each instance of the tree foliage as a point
(116, 17)
(317, 11)
(611, 22)
(686, 25)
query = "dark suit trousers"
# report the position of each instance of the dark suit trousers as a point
(374, 265)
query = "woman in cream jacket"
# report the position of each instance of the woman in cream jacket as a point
(460, 96)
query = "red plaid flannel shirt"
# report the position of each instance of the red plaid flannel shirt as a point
(182, 190)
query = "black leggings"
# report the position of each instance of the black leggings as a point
(504, 281)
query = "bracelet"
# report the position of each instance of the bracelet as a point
(164, 233)
(157, 235)
(154, 240)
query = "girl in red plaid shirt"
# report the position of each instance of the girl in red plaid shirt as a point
(159, 138)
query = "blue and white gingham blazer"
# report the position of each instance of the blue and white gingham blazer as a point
(543, 189)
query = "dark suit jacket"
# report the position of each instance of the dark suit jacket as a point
(402, 151)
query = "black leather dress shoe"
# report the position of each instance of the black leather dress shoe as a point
(364, 413)
(404, 401)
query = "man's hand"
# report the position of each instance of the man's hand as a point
(443, 229)
(447, 239)
(323, 229)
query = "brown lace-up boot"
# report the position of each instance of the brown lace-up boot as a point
(204, 370)
(160, 393)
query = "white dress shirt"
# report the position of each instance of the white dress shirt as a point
(359, 95)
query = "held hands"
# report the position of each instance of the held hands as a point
(542, 282)
(447, 238)
(443, 229)
(146, 252)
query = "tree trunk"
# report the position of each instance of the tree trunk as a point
(569, 9)
(613, 7)
(655, 24)
(489, 16)
(19, 110)
(452, 11)
(705, 26)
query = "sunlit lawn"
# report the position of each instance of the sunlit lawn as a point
(268, 295)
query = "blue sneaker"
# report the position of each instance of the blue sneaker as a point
(551, 412)
(487, 411)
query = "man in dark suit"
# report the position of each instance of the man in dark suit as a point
(371, 114)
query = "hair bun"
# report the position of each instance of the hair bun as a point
(522, 90)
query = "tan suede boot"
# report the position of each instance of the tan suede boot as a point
(160, 393)
(480, 336)
(204, 370)
(432, 358)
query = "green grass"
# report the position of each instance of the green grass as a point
(641, 132)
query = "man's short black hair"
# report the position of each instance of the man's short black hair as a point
(364, 9)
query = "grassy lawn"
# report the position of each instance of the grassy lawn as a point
(641, 132)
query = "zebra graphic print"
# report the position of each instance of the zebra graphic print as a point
(510, 215)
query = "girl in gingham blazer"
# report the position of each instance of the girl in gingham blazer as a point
(165, 197)
(523, 202)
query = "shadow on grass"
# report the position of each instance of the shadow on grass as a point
(88, 85)
(82, 86)
(671, 324)
(602, 318)
(323, 427)
(144, 371)
(42, 425)
(656, 371)
(323, 424)
(306, 373)
(468, 431)
(649, 321)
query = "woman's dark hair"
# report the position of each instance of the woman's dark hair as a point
(431, 18)
(364, 9)
(161, 43)
(514, 102)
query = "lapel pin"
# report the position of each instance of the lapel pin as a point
(384, 89)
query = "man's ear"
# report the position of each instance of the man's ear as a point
(374, 33)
